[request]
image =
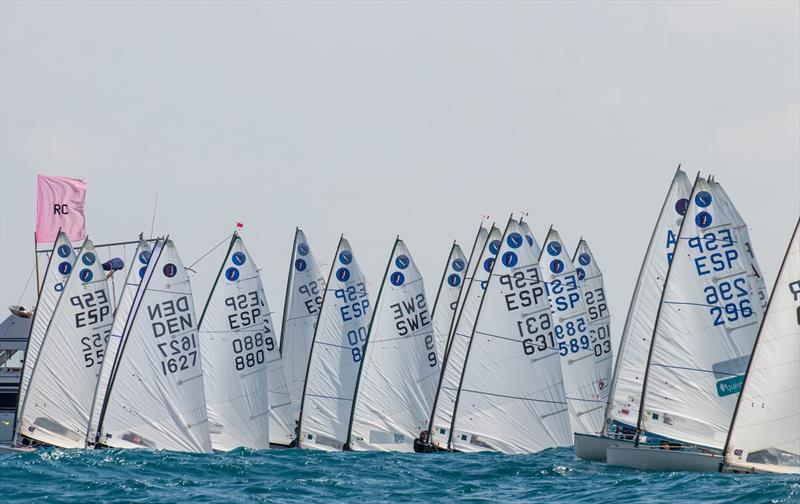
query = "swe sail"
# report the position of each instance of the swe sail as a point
(400, 369)
(337, 352)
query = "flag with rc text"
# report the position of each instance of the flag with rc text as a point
(59, 205)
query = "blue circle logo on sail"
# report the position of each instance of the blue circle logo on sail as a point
(170, 270)
(232, 274)
(59, 287)
(703, 199)
(397, 278)
(514, 240)
(300, 265)
(402, 261)
(554, 248)
(703, 219)
(88, 259)
(510, 259)
(86, 275)
(64, 268)
(585, 259)
(484, 284)
(64, 250)
(681, 206)
(302, 249)
(494, 247)
(458, 264)
(454, 280)
(238, 258)
(529, 239)
(345, 257)
(581, 273)
(556, 266)
(144, 256)
(488, 263)
(343, 274)
(141, 271)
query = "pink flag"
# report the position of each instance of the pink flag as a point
(59, 205)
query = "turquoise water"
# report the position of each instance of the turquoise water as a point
(55, 475)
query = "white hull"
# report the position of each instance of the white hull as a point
(648, 458)
(593, 447)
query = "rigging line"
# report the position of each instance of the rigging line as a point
(153, 222)
(710, 371)
(215, 247)
(27, 282)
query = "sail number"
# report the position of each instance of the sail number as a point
(717, 249)
(93, 308)
(94, 347)
(409, 317)
(729, 301)
(249, 350)
(356, 302)
(171, 318)
(313, 291)
(564, 292)
(524, 287)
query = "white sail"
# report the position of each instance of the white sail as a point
(156, 396)
(585, 359)
(454, 360)
(708, 319)
(121, 318)
(530, 238)
(304, 290)
(444, 308)
(58, 403)
(634, 346)
(59, 266)
(400, 369)
(764, 432)
(336, 355)
(235, 340)
(512, 394)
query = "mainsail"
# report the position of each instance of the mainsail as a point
(59, 266)
(530, 238)
(400, 369)
(764, 431)
(155, 396)
(304, 290)
(512, 395)
(236, 339)
(453, 366)
(585, 359)
(707, 322)
(336, 355)
(444, 308)
(121, 318)
(58, 402)
(634, 346)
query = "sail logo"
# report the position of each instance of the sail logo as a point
(585, 259)
(581, 273)
(170, 270)
(454, 280)
(232, 274)
(529, 238)
(64, 268)
(514, 240)
(703, 199)
(88, 258)
(494, 247)
(556, 266)
(345, 257)
(397, 279)
(302, 249)
(64, 250)
(300, 265)
(730, 386)
(141, 271)
(144, 256)
(402, 261)
(681, 206)
(342, 274)
(488, 263)
(458, 264)
(86, 275)
(554, 248)
(703, 219)
(509, 259)
(238, 258)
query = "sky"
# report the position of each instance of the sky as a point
(375, 119)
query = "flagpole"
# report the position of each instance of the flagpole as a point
(36, 262)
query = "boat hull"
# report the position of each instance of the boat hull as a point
(648, 458)
(15, 449)
(593, 447)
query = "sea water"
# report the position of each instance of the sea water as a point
(55, 475)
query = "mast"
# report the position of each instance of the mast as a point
(288, 289)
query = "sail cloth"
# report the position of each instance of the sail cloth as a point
(530, 238)
(400, 370)
(235, 336)
(634, 346)
(444, 308)
(708, 320)
(59, 266)
(121, 319)
(512, 395)
(304, 290)
(155, 396)
(58, 402)
(454, 360)
(585, 360)
(336, 355)
(763, 433)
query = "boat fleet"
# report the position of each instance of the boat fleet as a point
(514, 355)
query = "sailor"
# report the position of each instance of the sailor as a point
(422, 445)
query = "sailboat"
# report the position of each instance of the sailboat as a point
(511, 396)
(763, 434)
(337, 353)
(156, 395)
(707, 322)
(446, 303)
(59, 266)
(58, 400)
(453, 366)
(236, 336)
(122, 317)
(304, 290)
(622, 411)
(585, 358)
(400, 370)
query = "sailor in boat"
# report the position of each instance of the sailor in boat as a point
(423, 445)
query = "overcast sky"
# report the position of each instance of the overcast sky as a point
(373, 119)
